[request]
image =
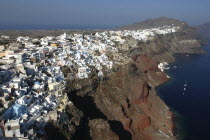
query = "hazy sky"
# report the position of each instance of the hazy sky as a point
(100, 12)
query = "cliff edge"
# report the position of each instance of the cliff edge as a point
(123, 103)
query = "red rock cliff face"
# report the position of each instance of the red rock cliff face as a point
(129, 97)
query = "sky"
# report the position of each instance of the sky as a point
(100, 12)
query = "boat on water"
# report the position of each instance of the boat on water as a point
(185, 84)
(163, 66)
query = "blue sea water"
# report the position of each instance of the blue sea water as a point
(52, 27)
(192, 105)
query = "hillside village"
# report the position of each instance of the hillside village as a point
(32, 78)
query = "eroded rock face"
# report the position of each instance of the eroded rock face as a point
(128, 98)
(150, 67)
(68, 124)
(144, 122)
(100, 130)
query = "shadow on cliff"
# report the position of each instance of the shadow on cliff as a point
(87, 105)
(53, 133)
(118, 128)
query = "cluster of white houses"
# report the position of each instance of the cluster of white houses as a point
(31, 77)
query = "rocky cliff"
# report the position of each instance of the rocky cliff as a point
(123, 104)
(204, 30)
(151, 23)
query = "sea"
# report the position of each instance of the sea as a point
(187, 94)
(52, 27)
